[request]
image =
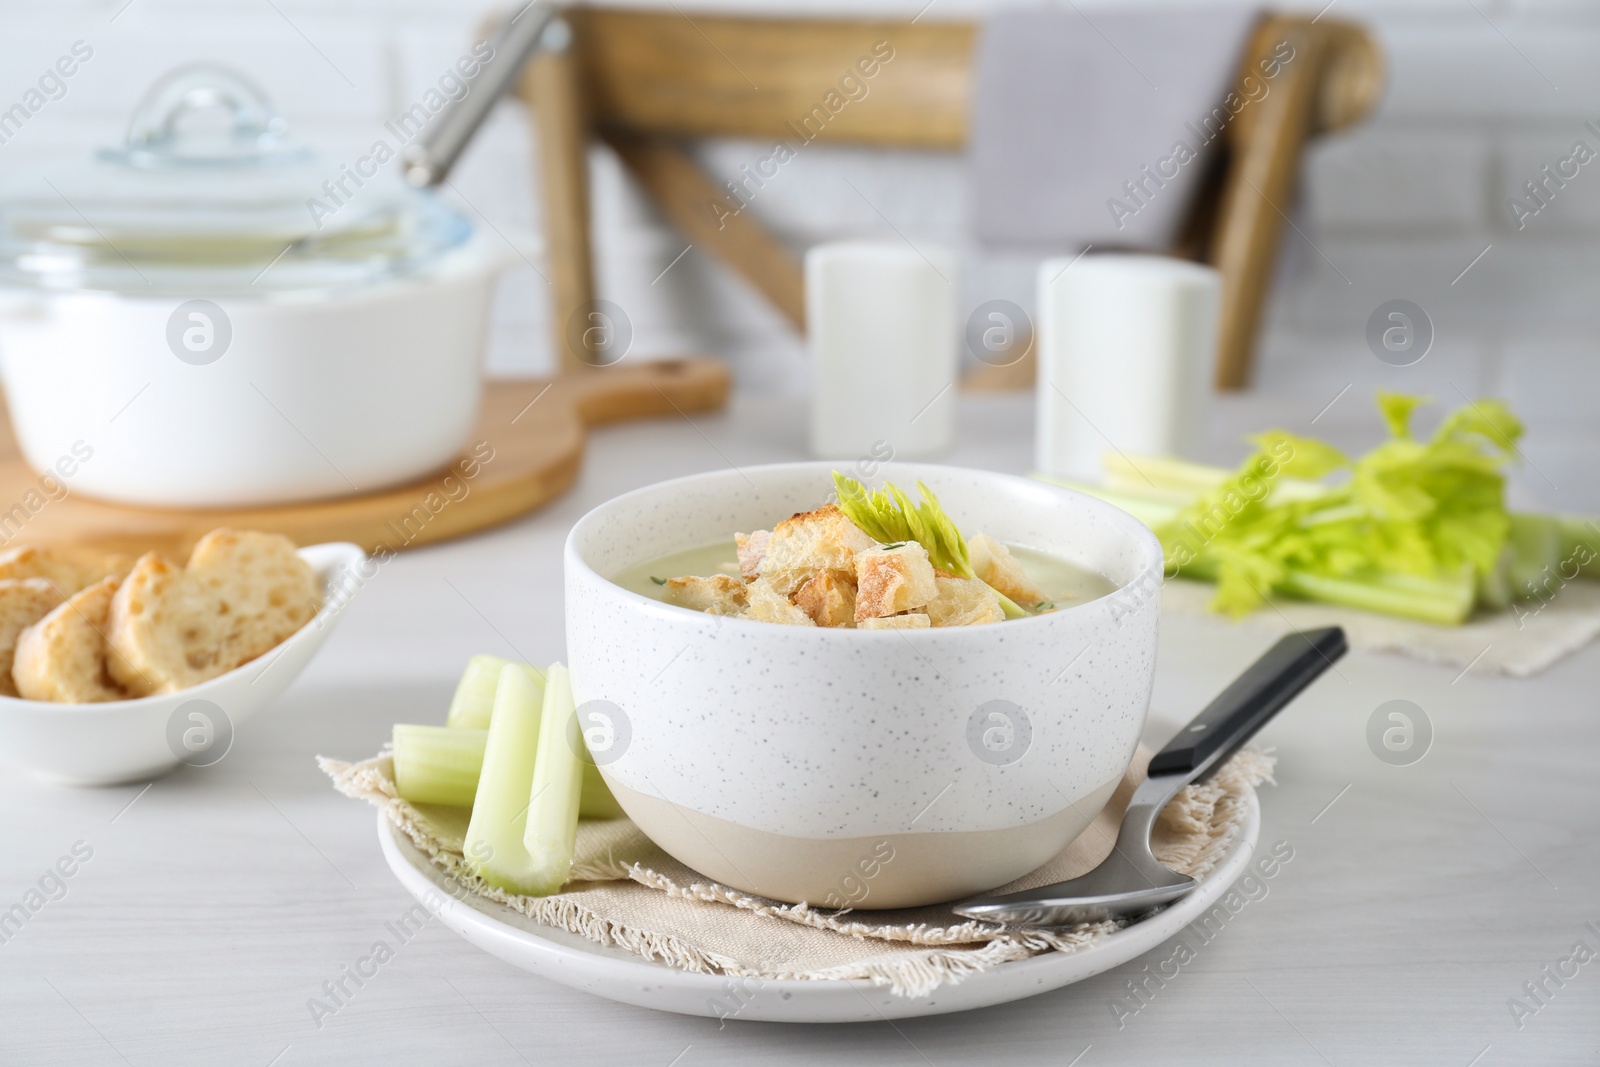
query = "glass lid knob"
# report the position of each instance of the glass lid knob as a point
(160, 134)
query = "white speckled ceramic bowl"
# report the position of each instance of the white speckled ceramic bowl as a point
(846, 767)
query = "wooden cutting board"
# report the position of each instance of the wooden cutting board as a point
(526, 450)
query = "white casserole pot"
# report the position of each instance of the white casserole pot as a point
(224, 319)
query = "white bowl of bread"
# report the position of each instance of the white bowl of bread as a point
(114, 669)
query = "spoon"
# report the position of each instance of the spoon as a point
(1131, 880)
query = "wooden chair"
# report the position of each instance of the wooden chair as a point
(645, 82)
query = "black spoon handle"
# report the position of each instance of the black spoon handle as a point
(1245, 706)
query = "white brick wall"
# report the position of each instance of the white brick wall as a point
(1422, 182)
(1480, 96)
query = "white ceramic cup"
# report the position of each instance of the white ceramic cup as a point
(1127, 346)
(871, 768)
(881, 332)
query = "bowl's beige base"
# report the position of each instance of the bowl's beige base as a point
(884, 871)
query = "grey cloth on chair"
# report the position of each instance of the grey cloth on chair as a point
(1093, 126)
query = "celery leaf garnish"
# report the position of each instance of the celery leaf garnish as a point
(889, 515)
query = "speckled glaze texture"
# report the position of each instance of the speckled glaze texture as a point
(825, 733)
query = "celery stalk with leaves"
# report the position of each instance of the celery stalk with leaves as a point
(889, 515)
(1415, 528)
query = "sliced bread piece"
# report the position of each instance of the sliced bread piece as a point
(62, 657)
(751, 547)
(893, 579)
(67, 567)
(994, 563)
(242, 593)
(829, 599)
(23, 602)
(913, 621)
(769, 605)
(719, 594)
(963, 602)
(803, 546)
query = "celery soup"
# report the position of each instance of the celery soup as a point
(1062, 582)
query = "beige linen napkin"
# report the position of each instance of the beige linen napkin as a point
(628, 893)
(1520, 642)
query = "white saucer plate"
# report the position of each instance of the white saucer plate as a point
(619, 975)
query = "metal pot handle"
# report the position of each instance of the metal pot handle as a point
(428, 160)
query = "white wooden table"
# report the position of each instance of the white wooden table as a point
(216, 903)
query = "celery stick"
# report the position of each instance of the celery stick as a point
(474, 698)
(596, 801)
(1150, 508)
(551, 836)
(1447, 601)
(493, 844)
(1580, 544)
(1010, 608)
(473, 702)
(1534, 565)
(1136, 472)
(1494, 585)
(1185, 481)
(1444, 601)
(438, 764)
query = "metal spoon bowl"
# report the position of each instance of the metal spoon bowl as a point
(1131, 880)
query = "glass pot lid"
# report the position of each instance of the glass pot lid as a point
(194, 207)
